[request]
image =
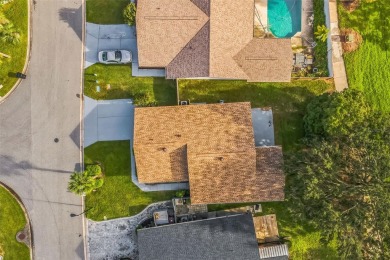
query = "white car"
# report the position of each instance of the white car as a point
(114, 57)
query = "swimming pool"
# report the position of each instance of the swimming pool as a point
(284, 17)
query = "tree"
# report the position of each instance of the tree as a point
(336, 113)
(340, 179)
(129, 14)
(322, 33)
(83, 183)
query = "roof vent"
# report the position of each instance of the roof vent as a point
(164, 149)
(178, 135)
(220, 158)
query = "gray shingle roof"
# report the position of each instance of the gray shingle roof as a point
(228, 238)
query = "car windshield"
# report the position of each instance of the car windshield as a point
(118, 55)
(104, 56)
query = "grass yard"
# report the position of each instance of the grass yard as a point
(12, 220)
(118, 197)
(144, 91)
(288, 100)
(17, 13)
(106, 11)
(368, 68)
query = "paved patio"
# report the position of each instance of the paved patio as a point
(111, 37)
(117, 238)
(263, 127)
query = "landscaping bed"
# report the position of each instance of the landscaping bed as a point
(12, 220)
(368, 67)
(287, 100)
(119, 196)
(143, 90)
(17, 13)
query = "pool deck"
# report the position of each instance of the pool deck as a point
(338, 66)
(261, 7)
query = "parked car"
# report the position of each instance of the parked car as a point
(114, 56)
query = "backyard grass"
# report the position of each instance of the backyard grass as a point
(368, 68)
(106, 11)
(288, 100)
(12, 220)
(144, 90)
(118, 197)
(17, 13)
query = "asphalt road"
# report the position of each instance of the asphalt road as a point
(42, 108)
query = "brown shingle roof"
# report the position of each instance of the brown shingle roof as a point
(266, 60)
(164, 27)
(197, 51)
(253, 176)
(231, 28)
(172, 34)
(212, 129)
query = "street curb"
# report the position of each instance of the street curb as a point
(28, 54)
(19, 200)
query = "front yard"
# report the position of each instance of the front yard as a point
(12, 220)
(106, 11)
(17, 13)
(368, 68)
(144, 90)
(118, 197)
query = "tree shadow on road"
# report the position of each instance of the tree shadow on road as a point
(73, 17)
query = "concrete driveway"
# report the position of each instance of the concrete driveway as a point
(111, 37)
(44, 107)
(107, 120)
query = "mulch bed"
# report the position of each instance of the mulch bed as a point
(351, 46)
(351, 6)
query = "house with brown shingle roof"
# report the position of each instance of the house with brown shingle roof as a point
(208, 39)
(210, 146)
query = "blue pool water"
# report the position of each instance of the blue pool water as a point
(284, 17)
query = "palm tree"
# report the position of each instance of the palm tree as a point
(322, 32)
(83, 183)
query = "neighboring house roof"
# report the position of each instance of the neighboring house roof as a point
(203, 38)
(264, 60)
(163, 135)
(164, 27)
(228, 238)
(211, 146)
(231, 28)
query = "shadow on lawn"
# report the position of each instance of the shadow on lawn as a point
(164, 91)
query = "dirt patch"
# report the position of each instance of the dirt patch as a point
(349, 46)
(351, 6)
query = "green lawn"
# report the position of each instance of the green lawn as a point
(17, 13)
(368, 68)
(118, 197)
(288, 100)
(106, 11)
(144, 91)
(12, 220)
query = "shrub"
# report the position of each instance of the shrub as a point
(129, 14)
